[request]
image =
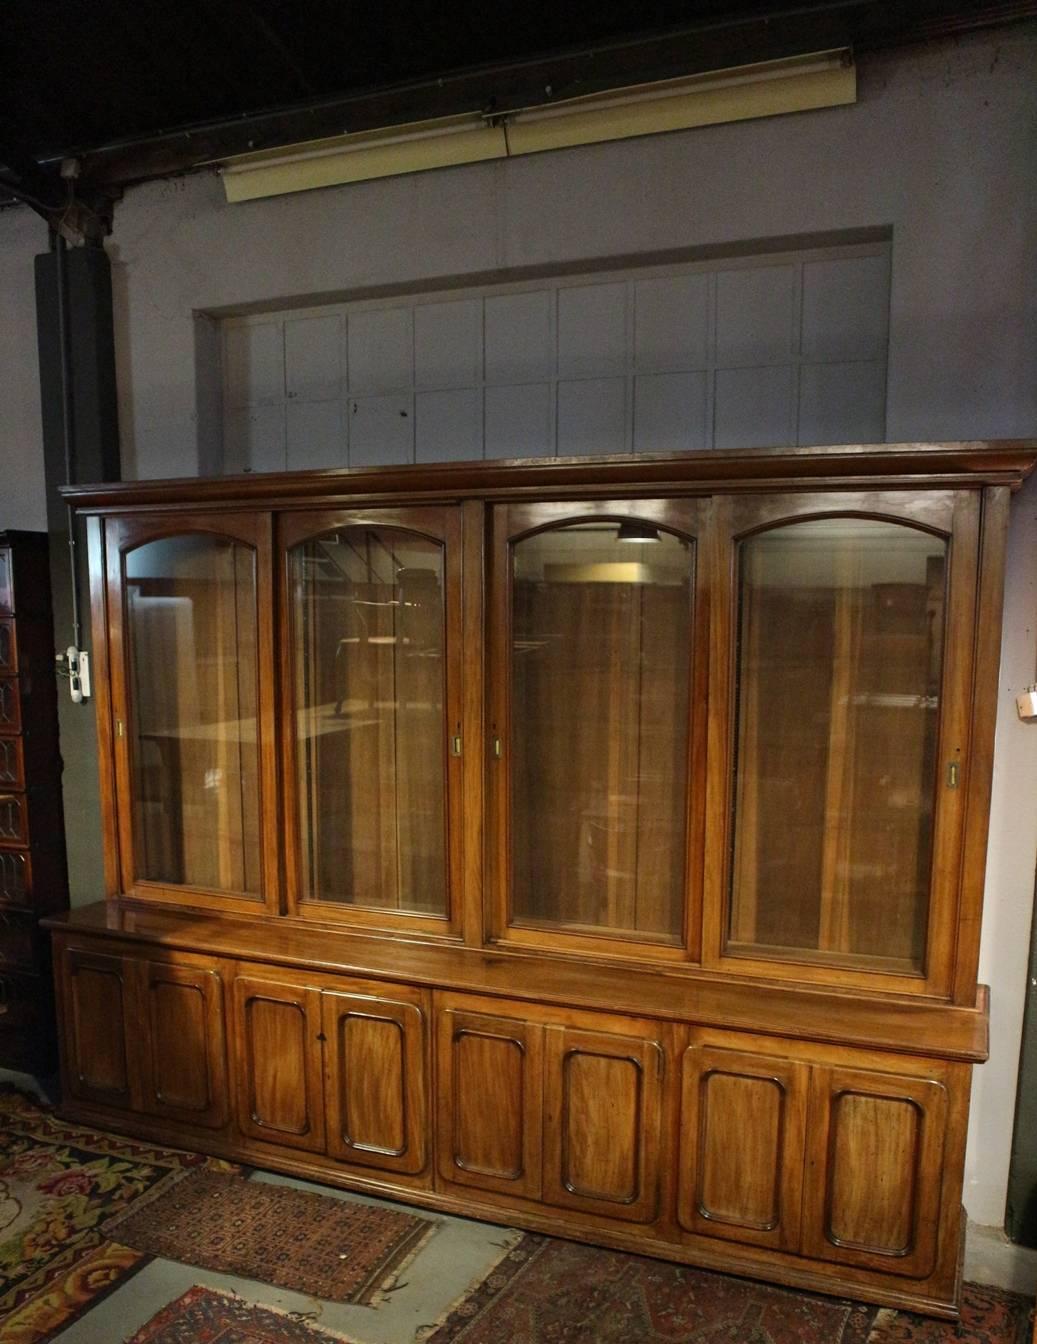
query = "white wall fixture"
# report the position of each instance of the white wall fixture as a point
(765, 89)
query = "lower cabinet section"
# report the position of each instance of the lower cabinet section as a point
(798, 1161)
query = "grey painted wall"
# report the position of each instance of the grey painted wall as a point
(941, 148)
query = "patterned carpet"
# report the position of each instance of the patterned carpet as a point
(332, 1249)
(59, 1184)
(203, 1316)
(556, 1292)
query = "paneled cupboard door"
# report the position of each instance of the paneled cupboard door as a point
(185, 1062)
(490, 1098)
(741, 1151)
(373, 732)
(191, 669)
(375, 1077)
(875, 1170)
(98, 1009)
(278, 1067)
(602, 1123)
(841, 663)
(597, 722)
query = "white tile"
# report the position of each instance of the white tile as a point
(253, 363)
(670, 412)
(842, 403)
(315, 435)
(253, 439)
(448, 344)
(519, 339)
(671, 322)
(753, 407)
(518, 421)
(846, 308)
(381, 350)
(592, 416)
(381, 430)
(313, 358)
(754, 314)
(592, 336)
(448, 426)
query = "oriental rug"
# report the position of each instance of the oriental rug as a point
(59, 1184)
(335, 1249)
(204, 1316)
(556, 1292)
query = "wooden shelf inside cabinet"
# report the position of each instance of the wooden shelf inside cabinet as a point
(519, 837)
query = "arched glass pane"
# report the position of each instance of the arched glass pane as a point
(191, 639)
(840, 643)
(600, 674)
(370, 713)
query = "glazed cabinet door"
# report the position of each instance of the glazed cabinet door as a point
(190, 662)
(741, 1147)
(597, 675)
(185, 1070)
(375, 1076)
(602, 1123)
(875, 1169)
(277, 1035)
(841, 671)
(490, 1093)
(97, 992)
(372, 716)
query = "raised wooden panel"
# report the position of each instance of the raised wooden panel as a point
(277, 1037)
(97, 1014)
(741, 1146)
(490, 1096)
(186, 1076)
(875, 1155)
(375, 1079)
(10, 707)
(602, 1108)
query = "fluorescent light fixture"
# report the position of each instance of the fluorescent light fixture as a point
(766, 89)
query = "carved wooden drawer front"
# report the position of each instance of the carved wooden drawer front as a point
(747, 1191)
(12, 763)
(277, 1031)
(603, 1108)
(8, 648)
(15, 878)
(375, 1077)
(490, 1101)
(875, 1157)
(14, 819)
(10, 706)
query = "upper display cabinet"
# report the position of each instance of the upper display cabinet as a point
(728, 713)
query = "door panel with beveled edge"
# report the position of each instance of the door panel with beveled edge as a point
(98, 996)
(597, 716)
(875, 1151)
(191, 664)
(373, 721)
(741, 1148)
(490, 1096)
(603, 1123)
(185, 1062)
(376, 1087)
(278, 1065)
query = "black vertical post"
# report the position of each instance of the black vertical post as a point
(75, 335)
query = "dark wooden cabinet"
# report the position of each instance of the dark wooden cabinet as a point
(596, 845)
(33, 876)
